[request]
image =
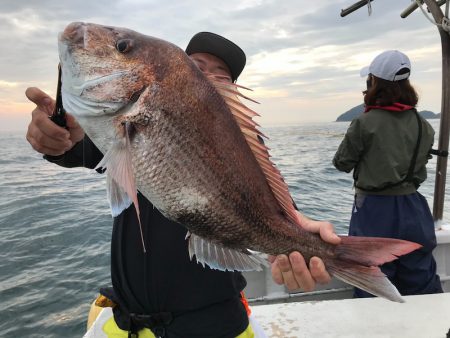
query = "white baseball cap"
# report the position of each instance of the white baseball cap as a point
(386, 66)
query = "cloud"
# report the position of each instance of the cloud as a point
(301, 54)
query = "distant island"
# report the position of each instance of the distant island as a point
(356, 111)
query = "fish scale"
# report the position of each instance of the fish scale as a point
(206, 181)
(189, 145)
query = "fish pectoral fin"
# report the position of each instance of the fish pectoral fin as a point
(121, 185)
(219, 257)
(117, 197)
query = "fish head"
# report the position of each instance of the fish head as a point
(105, 68)
(109, 73)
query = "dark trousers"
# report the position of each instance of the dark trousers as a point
(405, 217)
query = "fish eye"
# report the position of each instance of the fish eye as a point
(123, 45)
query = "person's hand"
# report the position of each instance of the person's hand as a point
(45, 136)
(293, 271)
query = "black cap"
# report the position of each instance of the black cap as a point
(224, 49)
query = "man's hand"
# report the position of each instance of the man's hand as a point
(293, 271)
(45, 136)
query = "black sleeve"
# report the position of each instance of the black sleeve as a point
(83, 154)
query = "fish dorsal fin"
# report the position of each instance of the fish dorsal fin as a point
(120, 182)
(244, 118)
(219, 257)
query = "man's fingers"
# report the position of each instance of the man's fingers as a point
(44, 144)
(271, 258)
(282, 272)
(71, 121)
(41, 125)
(45, 136)
(76, 132)
(47, 127)
(277, 276)
(41, 99)
(287, 272)
(301, 272)
(314, 226)
(318, 271)
(327, 233)
(294, 273)
(325, 229)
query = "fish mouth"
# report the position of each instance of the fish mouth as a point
(78, 87)
(74, 101)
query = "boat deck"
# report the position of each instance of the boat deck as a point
(420, 316)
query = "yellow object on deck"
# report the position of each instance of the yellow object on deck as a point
(96, 307)
(93, 314)
(103, 301)
(110, 329)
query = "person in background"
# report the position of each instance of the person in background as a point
(387, 147)
(163, 290)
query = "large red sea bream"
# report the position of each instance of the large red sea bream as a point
(185, 141)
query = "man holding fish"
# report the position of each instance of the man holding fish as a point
(162, 288)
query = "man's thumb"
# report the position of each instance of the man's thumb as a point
(41, 99)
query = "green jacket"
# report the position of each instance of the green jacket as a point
(379, 146)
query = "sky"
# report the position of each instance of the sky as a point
(303, 58)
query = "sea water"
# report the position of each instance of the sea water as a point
(55, 224)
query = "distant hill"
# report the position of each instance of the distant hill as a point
(356, 111)
(351, 114)
(429, 114)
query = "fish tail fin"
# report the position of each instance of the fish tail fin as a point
(356, 260)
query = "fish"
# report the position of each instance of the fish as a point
(189, 144)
